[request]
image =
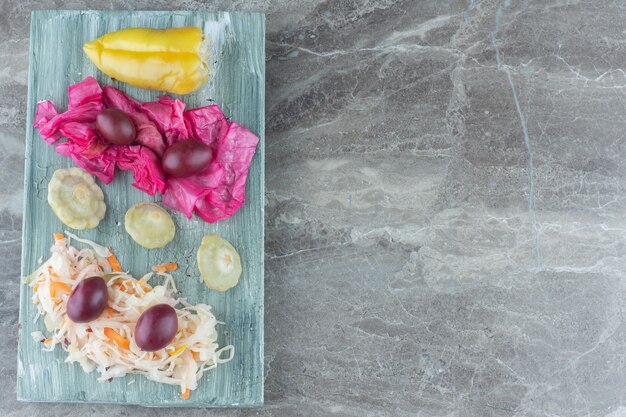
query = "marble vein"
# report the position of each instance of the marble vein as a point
(522, 118)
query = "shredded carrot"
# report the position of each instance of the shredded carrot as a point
(194, 354)
(110, 311)
(178, 350)
(56, 286)
(47, 340)
(127, 286)
(35, 287)
(115, 265)
(115, 336)
(165, 267)
(143, 284)
(185, 395)
(58, 236)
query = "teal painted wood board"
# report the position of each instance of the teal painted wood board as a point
(237, 86)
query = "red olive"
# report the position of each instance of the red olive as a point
(88, 300)
(156, 327)
(116, 127)
(186, 157)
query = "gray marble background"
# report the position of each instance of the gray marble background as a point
(445, 207)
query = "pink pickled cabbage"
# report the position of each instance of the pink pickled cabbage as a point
(213, 194)
(101, 165)
(44, 113)
(86, 91)
(167, 115)
(147, 133)
(146, 167)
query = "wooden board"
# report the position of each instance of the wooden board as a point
(238, 64)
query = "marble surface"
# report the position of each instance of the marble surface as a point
(445, 207)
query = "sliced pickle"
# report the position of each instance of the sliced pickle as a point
(76, 199)
(219, 263)
(149, 225)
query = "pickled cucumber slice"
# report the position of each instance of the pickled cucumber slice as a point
(219, 263)
(149, 225)
(76, 199)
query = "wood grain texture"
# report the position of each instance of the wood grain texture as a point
(237, 85)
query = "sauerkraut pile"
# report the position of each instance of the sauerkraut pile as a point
(107, 344)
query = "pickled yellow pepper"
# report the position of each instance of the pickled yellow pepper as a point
(171, 60)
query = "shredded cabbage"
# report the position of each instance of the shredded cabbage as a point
(193, 351)
(99, 250)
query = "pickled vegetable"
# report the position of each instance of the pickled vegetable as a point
(88, 300)
(186, 157)
(213, 194)
(110, 342)
(219, 263)
(76, 199)
(116, 127)
(156, 327)
(173, 60)
(149, 225)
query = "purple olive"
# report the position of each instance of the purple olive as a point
(88, 300)
(116, 127)
(186, 157)
(156, 327)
